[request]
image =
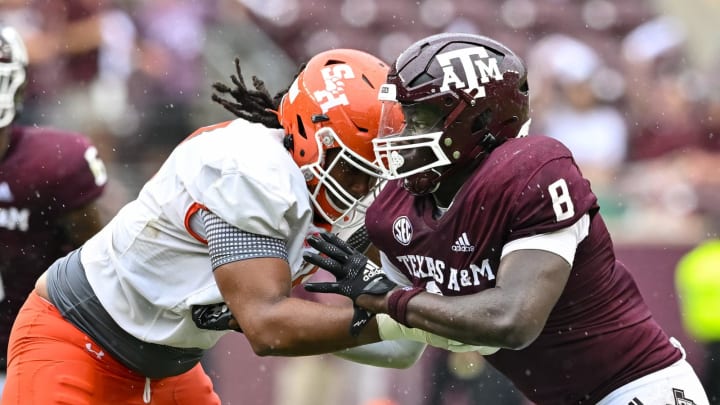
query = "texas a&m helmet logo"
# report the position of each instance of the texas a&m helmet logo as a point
(478, 68)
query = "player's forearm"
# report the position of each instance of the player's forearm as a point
(296, 327)
(465, 318)
(462, 319)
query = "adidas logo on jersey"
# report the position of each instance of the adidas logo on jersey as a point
(462, 244)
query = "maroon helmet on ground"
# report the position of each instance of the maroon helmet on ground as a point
(461, 95)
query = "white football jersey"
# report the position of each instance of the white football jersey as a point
(148, 266)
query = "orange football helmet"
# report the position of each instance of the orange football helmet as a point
(333, 103)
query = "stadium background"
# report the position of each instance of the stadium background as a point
(630, 86)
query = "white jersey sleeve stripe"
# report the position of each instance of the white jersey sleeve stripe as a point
(563, 242)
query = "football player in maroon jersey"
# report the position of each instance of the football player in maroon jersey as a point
(496, 238)
(49, 182)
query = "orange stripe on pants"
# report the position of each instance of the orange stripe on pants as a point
(50, 361)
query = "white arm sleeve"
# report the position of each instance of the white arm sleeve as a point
(563, 242)
(389, 330)
(390, 354)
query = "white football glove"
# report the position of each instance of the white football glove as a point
(389, 329)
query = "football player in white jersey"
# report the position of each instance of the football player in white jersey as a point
(218, 230)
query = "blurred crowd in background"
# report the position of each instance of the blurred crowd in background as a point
(630, 86)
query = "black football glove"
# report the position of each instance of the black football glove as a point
(213, 317)
(354, 273)
(360, 319)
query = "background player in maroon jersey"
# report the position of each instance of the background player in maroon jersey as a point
(497, 238)
(49, 181)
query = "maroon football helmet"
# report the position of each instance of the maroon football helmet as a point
(461, 95)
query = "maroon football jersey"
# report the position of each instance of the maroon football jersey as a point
(44, 175)
(599, 336)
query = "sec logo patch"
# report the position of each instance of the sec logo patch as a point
(402, 230)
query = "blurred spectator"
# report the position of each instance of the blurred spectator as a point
(72, 44)
(677, 195)
(698, 285)
(664, 96)
(170, 74)
(576, 89)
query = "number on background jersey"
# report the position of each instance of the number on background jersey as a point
(562, 204)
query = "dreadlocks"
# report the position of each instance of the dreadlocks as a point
(253, 105)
